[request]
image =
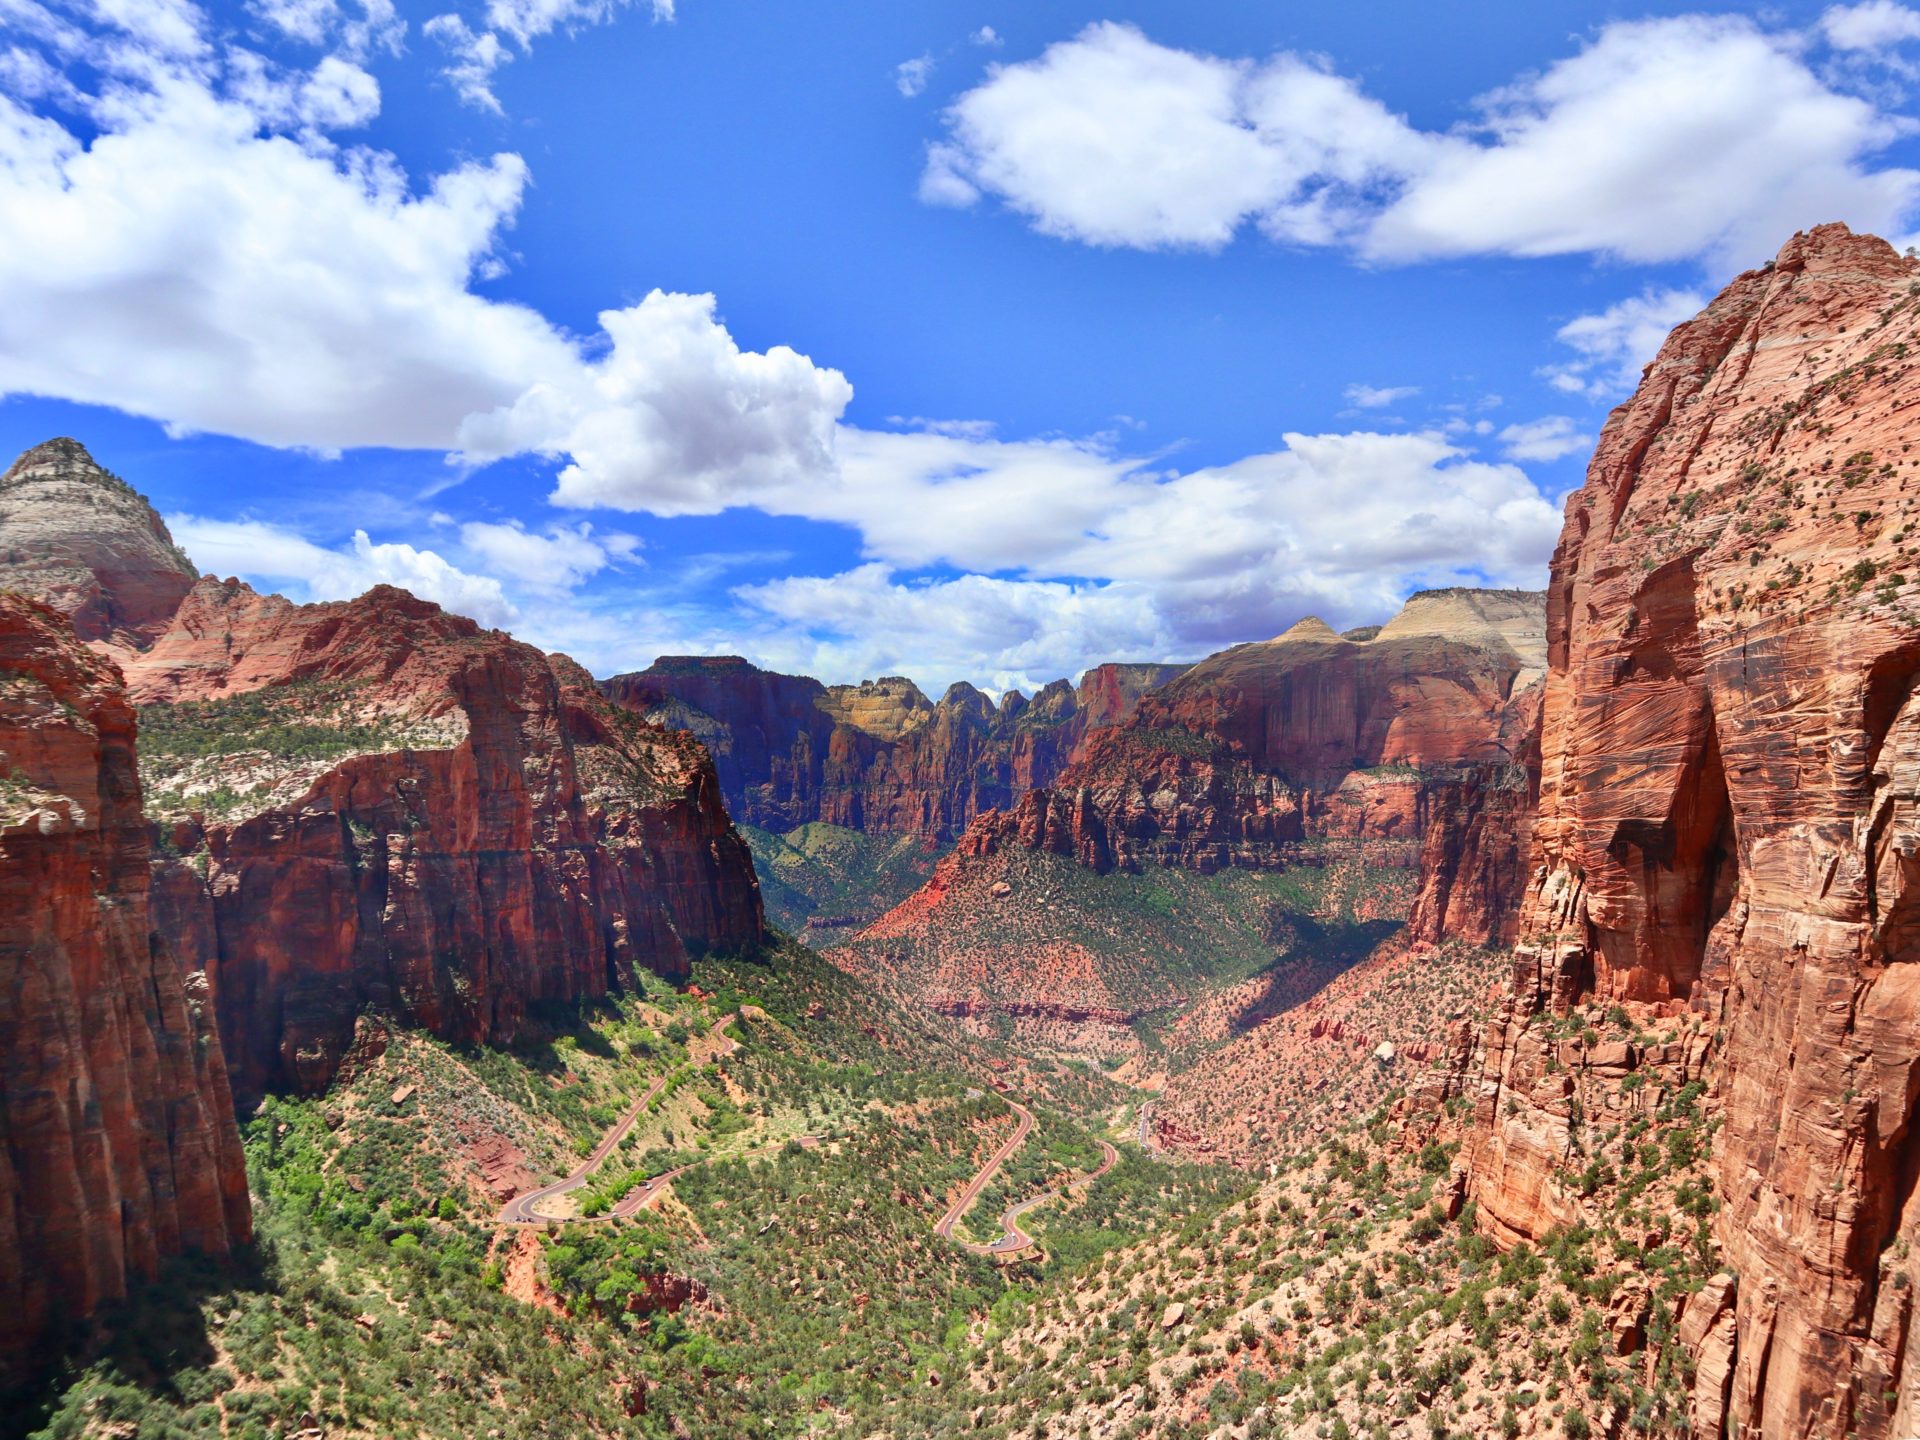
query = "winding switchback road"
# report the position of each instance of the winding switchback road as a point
(943, 1227)
(1012, 1237)
(523, 1209)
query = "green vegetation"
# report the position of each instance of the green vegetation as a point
(824, 882)
(780, 1288)
(216, 757)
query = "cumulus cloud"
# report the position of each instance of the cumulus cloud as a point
(1874, 25)
(259, 551)
(1658, 140)
(1113, 140)
(1616, 343)
(987, 38)
(1549, 438)
(998, 633)
(676, 419)
(1135, 564)
(288, 290)
(555, 560)
(1089, 553)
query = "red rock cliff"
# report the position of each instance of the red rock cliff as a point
(1730, 821)
(121, 1148)
(379, 806)
(878, 756)
(1310, 735)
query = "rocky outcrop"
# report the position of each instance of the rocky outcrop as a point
(377, 807)
(120, 1145)
(1385, 771)
(1729, 819)
(877, 756)
(1308, 736)
(87, 544)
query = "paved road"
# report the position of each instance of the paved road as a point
(1012, 1236)
(944, 1226)
(524, 1209)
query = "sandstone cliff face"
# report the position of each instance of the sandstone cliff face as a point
(375, 805)
(89, 546)
(121, 1147)
(1730, 786)
(1369, 776)
(878, 756)
(1308, 736)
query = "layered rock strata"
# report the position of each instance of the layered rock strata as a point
(878, 756)
(121, 1148)
(90, 546)
(375, 805)
(1729, 823)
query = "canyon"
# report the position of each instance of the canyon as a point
(363, 815)
(1551, 940)
(878, 757)
(1379, 776)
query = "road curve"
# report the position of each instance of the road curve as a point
(1012, 1237)
(522, 1209)
(943, 1227)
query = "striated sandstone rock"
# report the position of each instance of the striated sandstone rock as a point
(438, 822)
(1729, 815)
(88, 545)
(878, 756)
(1348, 758)
(1310, 735)
(121, 1147)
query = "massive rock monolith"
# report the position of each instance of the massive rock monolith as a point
(121, 1148)
(1729, 823)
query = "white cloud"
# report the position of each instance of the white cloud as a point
(558, 560)
(190, 263)
(1875, 25)
(1113, 140)
(987, 38)
(288, 294)
(1658, 140)
(1548, 438)
(997, 633)
(1373, 397)
(676, 418)
(375, 26)
(1162, 567)
(307, 20)
(910, 76)
(1616, 343)
(476, 52)
(274, 555)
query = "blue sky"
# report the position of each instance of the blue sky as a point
(961, 340)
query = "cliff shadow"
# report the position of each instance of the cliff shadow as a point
(155, 1343)
(1319, 953)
